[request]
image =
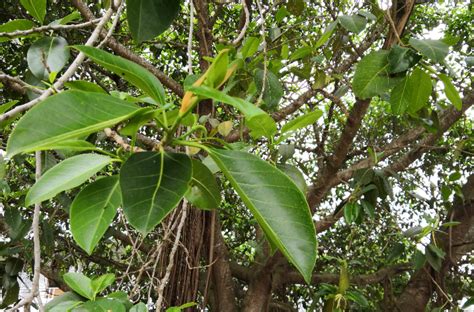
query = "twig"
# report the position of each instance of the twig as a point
(69, 72)
(46, 28)
(36, 248)
(114, 24)
(120, 141)
(190, 37)
(165, 278)
(264, 44)
(246, 25)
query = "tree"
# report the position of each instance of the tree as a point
(237, 156)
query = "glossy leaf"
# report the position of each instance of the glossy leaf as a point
(273, 91)
(66, 175)
(71, 145)
(139, 307)
(412, 93)
(353, 23)
(450, 90)
(36, 8)
(149, 18)
(128, 70)
(93, 210)
(276, 202)
(65, 302)
(372, 77)
(436, 50)
(18, 24)
(400, 59)
(51, 121)
(204, 192)
(47, 55)
(102, 282)
(152, 185)
(80, 283)
(258, 121)
(84, 85)
(250, 46)
(300, 122)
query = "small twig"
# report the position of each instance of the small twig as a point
(190, 37)
(114, 24)
(120, 141)
(166, 277)
(46, 28)
(36, 248)
(264, 44)
(246, 25)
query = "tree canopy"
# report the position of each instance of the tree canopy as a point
(252, 155)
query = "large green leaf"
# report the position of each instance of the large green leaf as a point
(204, 192)
(152, 185)
(149, 18)
(65, 302)
(36, 8)
(371, 77)
(273, 91)
(258, 121)
(18, 24)
(400, 59)
(47, 55)
(450, 90)
(276, 202)
(411, 93)
(353, 23)
(65, 116)
(433, 49)
(80, 283)
(130, 71)
(93, 210)
(67, 174)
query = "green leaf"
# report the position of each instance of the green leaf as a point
(250, 47)
(66, 175)
(301, 53)
(80, 283)
(326, 35)
(17, 227)
(128, 70)
(204, 192)
(51, 121)
(419, 260)
(276, 202)
(273, 89)
(71, 145)
(400, 59)
(369, 209)
(258, 121)
(106, 305)
(412, 93)
(294, 175)
(36, 8)
(84, 85)
(469, 302)
(351, 212)
(93, 210)
(122, 297)
(149, 18)
(353, 23)
(395, 253)
(435, 256)
(139, 307)
(152, 185)
(451, 93)
(371, 77)
(433, 49)
(102, 282)
(18, 24)
(300, 122)
(46, 55)
(6, 106)
(65, 302)
(358, 298)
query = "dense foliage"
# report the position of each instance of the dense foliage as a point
(237, 155)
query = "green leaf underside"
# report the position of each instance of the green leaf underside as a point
(36, 8)
(149, 18)
(93, 210)
(412, 93)
(204, 192)
(258, 121)
(353, 23)
(128, 70)
(371, 76)
(65, 116)
(80, 283)
(46, 55)
(66, 175)
(451, 93)
(152, 185)
(433, 49)
(276, 202)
